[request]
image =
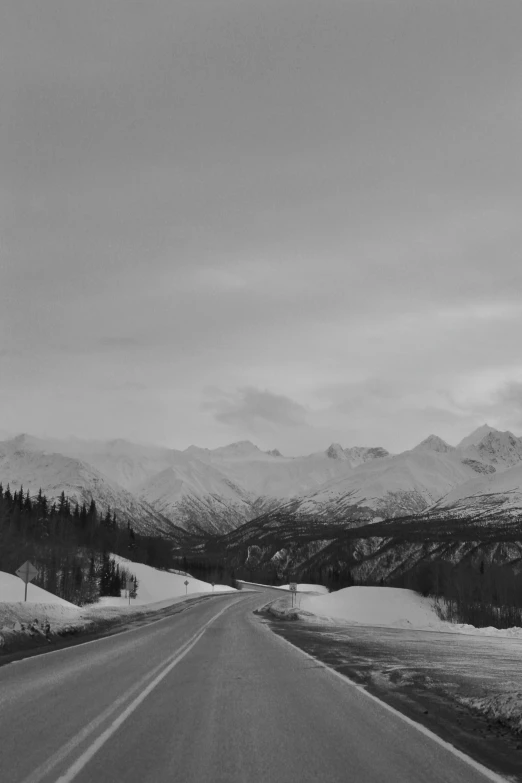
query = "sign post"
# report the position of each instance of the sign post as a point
(212, 586)
(27, 572)
(186, 586)
(293, 589)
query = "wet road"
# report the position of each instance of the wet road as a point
(210, 695)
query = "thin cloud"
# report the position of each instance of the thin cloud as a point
(253, 409)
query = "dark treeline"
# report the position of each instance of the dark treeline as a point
(216, 569)
(208, 570)
(477, 593)
(480, 595)
(70, 544)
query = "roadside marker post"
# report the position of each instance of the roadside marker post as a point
(293, 589)
(27, 573)
(128, 587)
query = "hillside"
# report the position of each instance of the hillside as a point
(495, 495)
(404, 484)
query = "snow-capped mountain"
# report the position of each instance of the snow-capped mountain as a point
(198, 497)
(57, 473)
(216, 490)
(501, 450)
(357, 455)
(219, 489)
(128, 464)
(336, 451)
(474, 438)
(497, 494)
(403, 484)
(434, 443)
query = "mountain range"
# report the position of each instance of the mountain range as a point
(215, 491)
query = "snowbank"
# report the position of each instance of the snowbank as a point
(12, 590)
(40, 605)
(388, 606)
(155, 585)
(160, 588)
(375, 606)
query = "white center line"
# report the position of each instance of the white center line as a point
(163, 668)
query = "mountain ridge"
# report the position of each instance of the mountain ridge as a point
(215, 490)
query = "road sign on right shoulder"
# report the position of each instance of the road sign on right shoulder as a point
(293, 587)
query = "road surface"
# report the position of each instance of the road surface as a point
(210, 695)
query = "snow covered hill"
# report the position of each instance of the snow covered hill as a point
(12, 590)
(155, 585)
(387, 606)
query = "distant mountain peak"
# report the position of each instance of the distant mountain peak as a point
(475, 437)
(240, 448)
(434, 443)
(335, 451)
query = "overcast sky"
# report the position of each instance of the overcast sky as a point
(288, 221)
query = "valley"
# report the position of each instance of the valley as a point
(358, 514)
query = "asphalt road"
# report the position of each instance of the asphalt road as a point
(207, 696)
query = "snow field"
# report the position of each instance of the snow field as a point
(12, 590)
(389, 606)
(155, 585)
(160, 588)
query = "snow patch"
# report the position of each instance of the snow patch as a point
(390, 606)
(155, 585)
(12, 590)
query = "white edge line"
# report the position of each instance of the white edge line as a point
(488, 773)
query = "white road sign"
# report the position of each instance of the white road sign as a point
(27, 573)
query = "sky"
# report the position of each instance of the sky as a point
(289, 221)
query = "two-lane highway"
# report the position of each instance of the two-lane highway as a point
(208, 696)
